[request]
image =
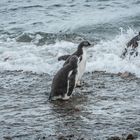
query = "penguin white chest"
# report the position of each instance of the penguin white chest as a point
(82, 64)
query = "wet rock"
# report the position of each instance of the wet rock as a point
(81, 139)
(114, 138)
(126, 75)
(7, 138)
(76, 109)
(7, 58)
(43, 137)
(101, 86)
(24, 38)
(68, 137)
(130, 137)
(119, 74)
(61, 138)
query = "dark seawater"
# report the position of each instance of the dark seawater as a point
(92, 19)
(106, 106)
(33, 34)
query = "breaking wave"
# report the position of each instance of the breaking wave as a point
(104, 56)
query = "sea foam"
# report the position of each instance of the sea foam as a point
(104, 56)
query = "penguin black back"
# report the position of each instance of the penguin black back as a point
(60, 83)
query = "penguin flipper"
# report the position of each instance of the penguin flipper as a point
(63, 57)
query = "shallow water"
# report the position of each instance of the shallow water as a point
(33, 34)
(105, 106)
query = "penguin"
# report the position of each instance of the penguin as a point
(134, 44)
(81, 53)
(63, 82)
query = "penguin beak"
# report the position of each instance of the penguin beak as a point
(88, 45)
(91, 45)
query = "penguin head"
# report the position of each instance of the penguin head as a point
(84, 44)
(74, 61)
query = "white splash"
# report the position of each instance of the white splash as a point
(29, 57)
(105, 56)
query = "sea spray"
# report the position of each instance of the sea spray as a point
(104, 56)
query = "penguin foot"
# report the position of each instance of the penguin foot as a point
(66, 97)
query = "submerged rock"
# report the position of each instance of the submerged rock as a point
(114, 138)
(126, 74)
(7, 138)
(67, 137)
(24, 38)
(130, 137)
